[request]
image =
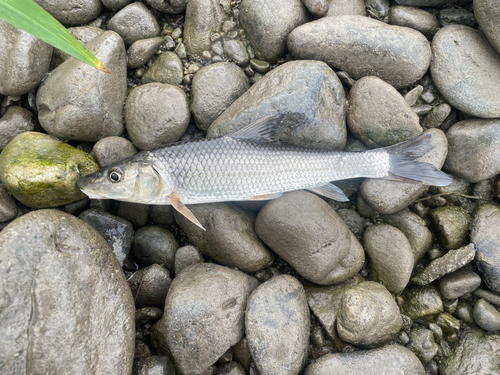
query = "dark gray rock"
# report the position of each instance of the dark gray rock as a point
(430, 3)
(458, 283)
(487, 295)
(463, 312)
(354, 221)
(230, 368)
(72, 12)
(436, 116)
(422, 302)
(136, 213)
(154, 365)
(111, 150)
(59, 267)
(450, 16)
(185, 256)
(277, 326)
(156, 114)
(422, 344)
(149, 286)
(141, 51)
(317, 8)
(378, 9)
(451, 224)
(8, 206)
(204, 314)
(362, 46)
(162, 215)
(466, 70)
(147, 315)
(24, 60)
(487, 14)
(116, 4)
(416, 18)
(16, 120)
(167, 68)
(486, 316)
(310, 88)
(168, 6)
(346, 7)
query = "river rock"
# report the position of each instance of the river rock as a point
(167, 68)
(310, 88)
(277, 326)
(72, 12)
(116, 4)
(111, 150)
(416, 18)
(16, 120)
(378, 114)
(317, 8)
(168, 6)
(451, 224)
(204, 314)
(430, 3)
(149, 286)
(84, 34)
(362, 46)
(487, 14)
(41, 171)
(346, 7)
(142, 50)
(466, 70)
(422, 343)
(78, 102)
(24, 60)
(422, 302)
(458, 283)
(8, 206)
(154, 365)
(60, 267)
(185, 256)
(486, 316)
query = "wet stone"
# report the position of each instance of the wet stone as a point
(416, 18)
(8, 207)
(318, 8)
(167, 68)
(154, 365)
(72, 12)
(450, 16)
(116, 4)
(141, 51)
(162, 215)
(486, 315)
(451, 224)
(346, 7)
(149, 286)
(464, 312)
(185, 256)
(436, 116)
(236, 51)
(203, 18)
(170, 7)
(136, 213)
(422, 302)
(16, 120)
(110, 150)
(354, 221)
(448, 323)
(422, 344)
(458, 283)
(147, 315)
(378, 9)
(487, 14)
(488, 296)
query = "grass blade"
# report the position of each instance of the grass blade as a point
(29, 16)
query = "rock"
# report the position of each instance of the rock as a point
(147, 315)
(462, 16)
(430, 3)
(378, 9)
(448, 323)
(422, 302)
(134, 22)
(318, 8)
(463, 312)
(277, 326)
(422, 344)
(116, 231)
(416, 18)
(156, 114)
(390, 359)
(16, 120)
(149, 286)
(474, 149)
(486, 316)
(168, 6)
(60, 267)
(466, 70)
(487, 13)
(362, 46)
(215, 87)
(388, 197)
(204, 313)
(346, 7)
(436, 116)
(41, 171)
(78, 102)
(368, 316)
(84, 34)
(8, 207)
(116, 4)
(310, 88)
(378, 115)
(236, 51)
(354, 222)
(72, 12)
(484, 234)
(167, 68)
(231, 368)
(229, 238)
(458, 283)
(266, 32)
(391, 256)
(24, 60)
(185, 256)
(111, 150)
(162, 215)
(487, 295)
(141, 51)
(451, 224)
(161, 365)
(136, 213)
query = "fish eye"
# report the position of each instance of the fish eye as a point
(115, 174)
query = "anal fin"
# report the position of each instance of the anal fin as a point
(265, 197)
(184, 211)
(330, 191)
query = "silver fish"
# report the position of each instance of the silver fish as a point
(247, 165)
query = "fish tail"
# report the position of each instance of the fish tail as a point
(404, 165)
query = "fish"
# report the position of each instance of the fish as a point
(250, 164)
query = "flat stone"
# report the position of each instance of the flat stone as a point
(422, 302)
(150, 286)
(142, 50)
(458, 283)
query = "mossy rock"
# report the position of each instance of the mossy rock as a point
(41, 171)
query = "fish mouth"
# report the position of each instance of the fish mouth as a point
(92, 195)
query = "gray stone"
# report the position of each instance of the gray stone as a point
(111, 150)
(362, 46)
(474, 149)
(378, 114)
(154, 365)
(458, 283)
(231, 368)
(451, 224)
(241, 353)
(229, 238)
(236, 51)
(72, 12)
(422, 302)
(430, 3)
(310, 88)
(266, 31)
(16, 120)
(204, 314)
(391, 359)
(77, 102)
(162, 215)
(464, 312)
(466, 70)
(422, 344)
(317, 8)
(354, 221)
(368, 316)
(487, 14)
(488, 296)
(150, 286)
(60, 267)
(84, 34)
(416, 18)
(346, 7)
(116, 4)
(24, 60)
(412, 96)
(147, 315)
(141, 51)
(486, 316)
(448, 323)
(277, 326)
(378, 9)
(307, 233)
(167, 68)
(436, 116)
(8, 207)
(169, 6)
(462, 16)
(185, 256)
(156, 114)
(136, 213)
(390, 254)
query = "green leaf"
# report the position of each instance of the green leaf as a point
(29, 16)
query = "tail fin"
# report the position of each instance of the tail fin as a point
(405, 167)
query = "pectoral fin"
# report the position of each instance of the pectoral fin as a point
(182, 209)
(330, 191)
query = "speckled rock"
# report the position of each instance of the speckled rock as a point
(422, 302)
(277, 326)
(150, 286)
(169, 6)
(203, 17)
(141, 51)
(458, 283)
(487, 14)
(416, 18)
(185, 256)
(236, 51)
(72, 12)
(317, 8)
(451, 224)
(466, 70)
(167, 68)
(346, 7)
(8, 207)
(110, 150)
(230, 368)
(422, 343)
(362, 46)
(16, 120)
(154, 365)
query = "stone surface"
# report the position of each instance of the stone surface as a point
(422, 344)
(136, 213)
(185, 256)
(318, 8)
(203, 17)
(149, 286)
(8, 207)
(111, 150)
(422, 302)
(116, 4)
(72, 12)
(16, 120)
(154, 365)
(451, 224)
(362, 46)
(416, 18)
(487, 14)
(486, 316)
(458, 283)
(346, 7)
(277, 326)
(84, 34)
(61, 268)
(167, 68)
(168, 6)
(141, 51)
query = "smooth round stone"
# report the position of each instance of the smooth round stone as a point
(16, 120)
(317, 8)
(203, 18)
(484, 235)
(451, 224)
(463, 312)
(154, 365)
(229, 238)
(362, 46)
(346, 7)
(277, 326)
(149, 286)
(78, 102)
(24, 60)
(41, 171)
(307, 233)
(391, 359)
(60, 267)
(141, 51)
(147, 315)
(378, 114)
(116, 231)
(391, 256)
(162, 215)
(415, 18)
(116, 4)
(266, 32)
(84, 34)
(136, 213)
(167, 68)
(156, 114)
(72, 12)
(204, 314)
(236, 51)
(169, 6)
(422, 344)
(310, 88)
(422, 302)
(486, 315)
(466, 70)
(8, 207)
(487, 14)
(474, 149)
(215, 87)
(368, 316)
(111, 150)
(378, 9)
(462, 16)
(134, 22)
(185, 256)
